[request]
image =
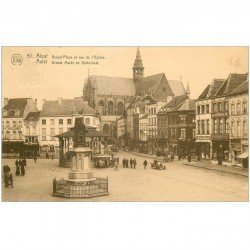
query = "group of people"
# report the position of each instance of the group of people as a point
(7, 175)
(126, 163)
(20, 167)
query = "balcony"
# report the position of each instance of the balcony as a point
(220, 137)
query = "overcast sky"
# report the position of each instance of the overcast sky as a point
(196, 65)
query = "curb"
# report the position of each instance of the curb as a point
(195, 166)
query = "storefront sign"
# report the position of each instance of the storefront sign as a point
(203, 138)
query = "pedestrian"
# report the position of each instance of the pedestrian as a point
(6, 179)
(17, 168)
(131, 163)
(134, 162)
(20, 162)
(6, 169)
(124, 162)
(24, 162)
(145, 163)
(47, 155)
(11, 179)
(35, 159)
(114, 164)
(22, 169)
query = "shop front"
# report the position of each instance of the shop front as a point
(220, 152)
(203, 147)
(12, 148)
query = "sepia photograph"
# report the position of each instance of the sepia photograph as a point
(125, 124)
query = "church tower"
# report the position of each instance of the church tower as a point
(138, 69)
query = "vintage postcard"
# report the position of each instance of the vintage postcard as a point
(125, 124)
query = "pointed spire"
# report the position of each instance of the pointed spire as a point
(188, 90)
(138, 61)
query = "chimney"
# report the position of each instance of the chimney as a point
(6, 100)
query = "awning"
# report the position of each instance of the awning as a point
(243, 155)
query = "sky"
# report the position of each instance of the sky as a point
(26, 73)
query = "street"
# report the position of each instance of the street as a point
(177, 183)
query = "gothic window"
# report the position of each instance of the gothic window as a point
(110, 108)
(120, 108)
(101, 108)
(106, 129)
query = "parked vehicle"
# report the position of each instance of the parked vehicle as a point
(158, 165)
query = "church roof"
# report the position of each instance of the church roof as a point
(66, 107)
(149, 84)
(106, 85)
(177, 87)
(138, 61)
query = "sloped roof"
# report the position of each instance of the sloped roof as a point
(177, 87)
(66, 107)
(188, 104)
(106, 85)
(144, 117)
(33, 116)
(211, 89)
(176, 101)
(149, 84)
(203, 95)
(232, 82)
(241, 89)
(16, 104)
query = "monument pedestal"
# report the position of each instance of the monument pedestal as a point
(81, 182)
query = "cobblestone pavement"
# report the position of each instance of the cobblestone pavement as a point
(177, 183)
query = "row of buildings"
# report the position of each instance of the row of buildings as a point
(26, 130)
(149, 114)
(213, 127)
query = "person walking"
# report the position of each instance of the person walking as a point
(17, 168)
(6, 179)
(25, 162)
(35, 158)
(11, 179)
(131, 163)
(22, 169)
(145, 163)
(124, 163)
(134, 162)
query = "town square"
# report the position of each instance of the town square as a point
(139, 138)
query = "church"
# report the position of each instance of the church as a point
(111, 95)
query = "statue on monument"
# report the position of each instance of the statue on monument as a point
(80, 131)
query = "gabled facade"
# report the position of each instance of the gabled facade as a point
(13, 114)
(58, 117)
